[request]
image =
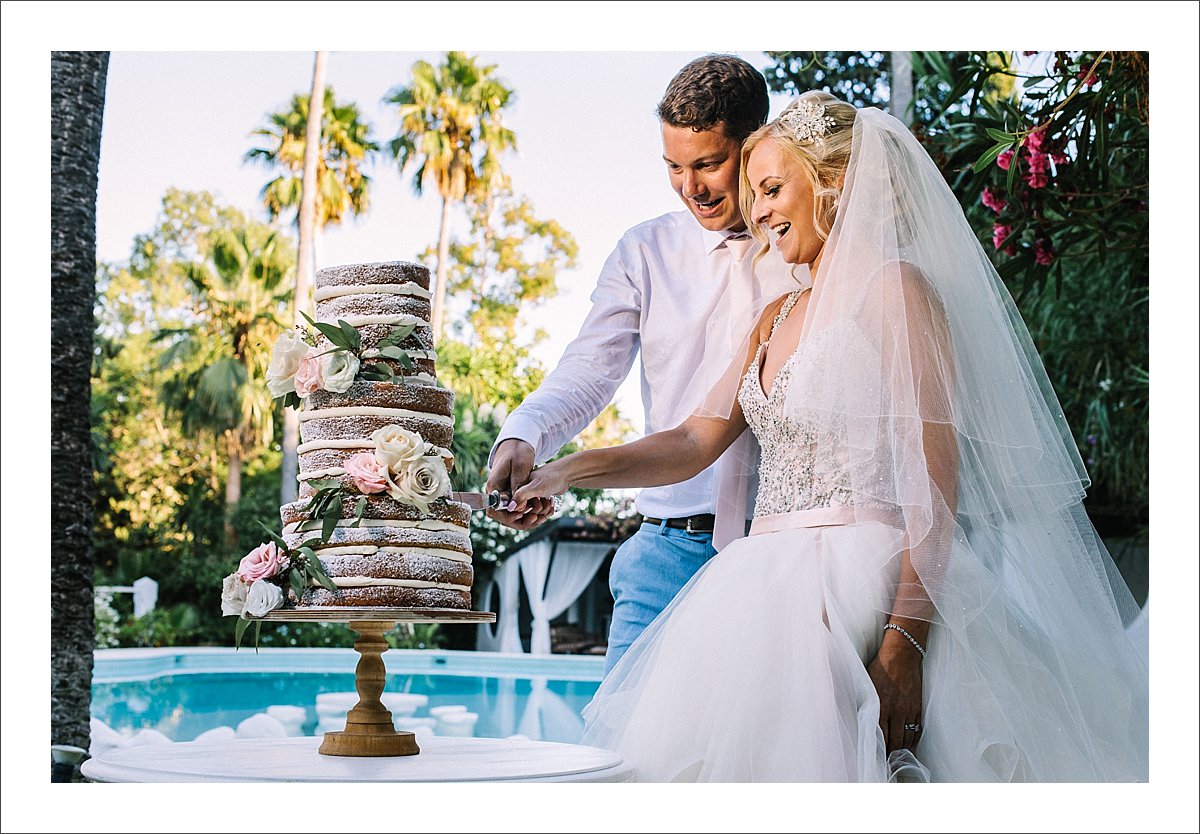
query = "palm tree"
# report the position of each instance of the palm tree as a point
(325, 145)
(219, 363)
(451, 129)
(346, 145)
(77, 81)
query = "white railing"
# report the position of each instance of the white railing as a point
(144, 590)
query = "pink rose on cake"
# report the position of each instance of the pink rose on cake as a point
(368, 474)
(420, 483)
(289, 349)
(262, 598)
(233, 595)
(308, 374)
(338, 370)
(397, 447)
(262, 562)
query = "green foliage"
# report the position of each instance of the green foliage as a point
(346, 146)
(506, 264)
(416, 636)
(175, 625)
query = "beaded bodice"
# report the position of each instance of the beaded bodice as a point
(804, 463)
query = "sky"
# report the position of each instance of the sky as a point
(179, 115)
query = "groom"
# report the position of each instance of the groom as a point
(661, 290)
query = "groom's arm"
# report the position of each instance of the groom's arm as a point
(591, 368)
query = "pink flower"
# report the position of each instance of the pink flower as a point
(262, 562)
(1036, 141)
(1000, 233)
(1043, 252)
(1089, 78)
(1037, 179)
(1005, 159)
(369, 475)
(1038, 162)
(1059, 158)
(1029, 52)
(308, 374)
(993, 200)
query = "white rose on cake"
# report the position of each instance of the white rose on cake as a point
(263, 596)
(233, 596)
(397, 448)
(338, 370)
(289, 349)
(420, 483)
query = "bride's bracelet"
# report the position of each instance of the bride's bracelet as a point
(911, 639)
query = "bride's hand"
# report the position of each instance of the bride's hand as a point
(545, 482)
(896, 673)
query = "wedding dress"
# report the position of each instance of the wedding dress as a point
(756, 672)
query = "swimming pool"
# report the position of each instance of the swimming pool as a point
(184, 692)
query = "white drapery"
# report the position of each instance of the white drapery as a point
(573, 566)
(505, 635)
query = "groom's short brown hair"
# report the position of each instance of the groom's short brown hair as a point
(716, 89)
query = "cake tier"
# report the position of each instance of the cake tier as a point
(382, 538)
(392, 597)
(383, 507)
(372, 306)
(385, 272)
(418, 345)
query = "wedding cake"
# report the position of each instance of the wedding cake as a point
(373, 526)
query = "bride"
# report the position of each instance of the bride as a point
(921, 595)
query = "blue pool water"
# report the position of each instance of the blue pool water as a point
(183, 692)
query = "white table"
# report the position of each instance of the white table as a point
(442, 759)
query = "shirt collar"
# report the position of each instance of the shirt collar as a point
(713, 240)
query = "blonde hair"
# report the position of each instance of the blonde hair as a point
(824, 160)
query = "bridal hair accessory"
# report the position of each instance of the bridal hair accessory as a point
(911, 639)
(807, 120)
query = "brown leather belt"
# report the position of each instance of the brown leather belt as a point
(702, 523)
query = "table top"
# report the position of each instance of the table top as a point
(442, 759)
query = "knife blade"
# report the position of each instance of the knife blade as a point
(476, 500)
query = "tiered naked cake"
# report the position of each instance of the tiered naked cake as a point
(372, 526)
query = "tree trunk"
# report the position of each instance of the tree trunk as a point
(902, 86)
(443, 269)
(305, 261)
(233, 489)
(77, 82)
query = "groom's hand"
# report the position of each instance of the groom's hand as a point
(511, 466)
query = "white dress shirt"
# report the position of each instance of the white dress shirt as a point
(661, 290)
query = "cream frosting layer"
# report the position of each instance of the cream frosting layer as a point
(351, 443)
(414, 353)
(371, 581)
(403, 318)
(369, 549)
(431, 525)
(373, 411)
(336, 291)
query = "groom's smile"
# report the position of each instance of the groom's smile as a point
(703, 167)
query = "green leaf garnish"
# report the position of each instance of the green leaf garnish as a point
(352, 336)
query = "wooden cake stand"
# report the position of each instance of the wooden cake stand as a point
(370, 730)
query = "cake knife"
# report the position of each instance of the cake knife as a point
(478, 500)
(489, 500)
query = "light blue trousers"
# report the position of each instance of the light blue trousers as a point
(646, 573)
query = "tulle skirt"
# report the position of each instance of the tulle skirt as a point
(756, 672)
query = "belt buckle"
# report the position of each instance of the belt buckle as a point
(688, 527)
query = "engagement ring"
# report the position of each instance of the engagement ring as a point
(915, 728)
